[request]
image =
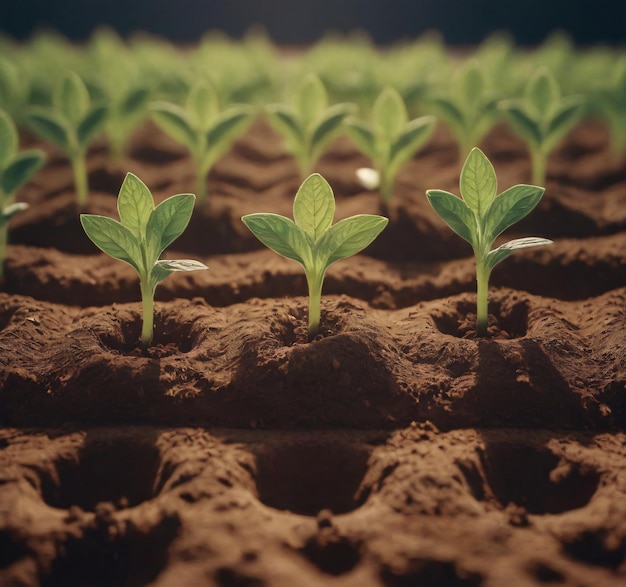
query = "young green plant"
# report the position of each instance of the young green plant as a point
(142, 234)
(542, 117)
(16, 168)
(71, 123)
(311, 239)
(309, 124)
(481, 215)
(389, 140)
(205, 130)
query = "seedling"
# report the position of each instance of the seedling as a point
(611, 101)
(15, 170)
(310, 239)
(481, 215)
(309, 125)
(389, 139)
(71, 123)
(542, 118)
(468, 108)
(200, 126)
(142, 234)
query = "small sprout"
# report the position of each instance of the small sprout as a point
(389, 139)
(71, 123)
(542, 118)
(143, 233)
(468, 108)
(481, 215)
(202, 127)
(309, 125)
(16, 168)
(312, 240)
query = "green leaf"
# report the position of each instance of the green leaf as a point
(521, 123)
(566, 115)
(542, 93)
(415, 134)
(91, 125)
(135, 102)
(314, 206)
(23, 167)
(478, 182)
(472, 85)
(311, 99)
(507, 249)
(363, 136)
(8, 140)
(509, 207)
(349, 236)
(280, 234)
(135, 205)
(284, 120)
(328, 126)
(389, 113)
(114, 239)
(47, 125)
(228, 126)
(168, 221)
(11, 210)
(454, 212)
(173, 120)
(449, 111)
(166, 267)
(71, 98)
(203, 103)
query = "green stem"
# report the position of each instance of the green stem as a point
(147, 307)
(539, 162)
(4, 236)
(315, 301)
(79, 165)
(482, 298)
(386, 187)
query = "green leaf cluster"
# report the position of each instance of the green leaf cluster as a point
(16, 168)
(71, 122)
(611, 100)
(311, 239)
(469, 107)
(542, 117)
(202, 127)
(141, 235)
(309, 123)
(481, 215)
(389, 139)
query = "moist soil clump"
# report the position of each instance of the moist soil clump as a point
(395, 448)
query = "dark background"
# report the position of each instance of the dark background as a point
(302, 22)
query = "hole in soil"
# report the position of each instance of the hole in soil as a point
(430, 573)
(127, 557)
(10, 549)
(593, 547)
(334, 555)
(504, 322)
(546, 574)
(309, 476)
(527, 476)
(118, 469)
(227, 577)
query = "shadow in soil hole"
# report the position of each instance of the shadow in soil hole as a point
(533, 477)
(110, 467)
(598, 548)
(332, 553)
(306, 476)
(429, 573)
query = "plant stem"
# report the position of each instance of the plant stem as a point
(147, 303)
(79, 165)
(386, 187)
(539, 162)
(315, 300)
(4, 236)
(482, 298)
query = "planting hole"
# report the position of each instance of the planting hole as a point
(110, 467)
(308, 476)
(528, 476)
(429, 573)
(334, 555)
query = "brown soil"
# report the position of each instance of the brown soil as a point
(395, 449)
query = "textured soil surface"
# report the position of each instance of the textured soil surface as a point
(396, 449)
